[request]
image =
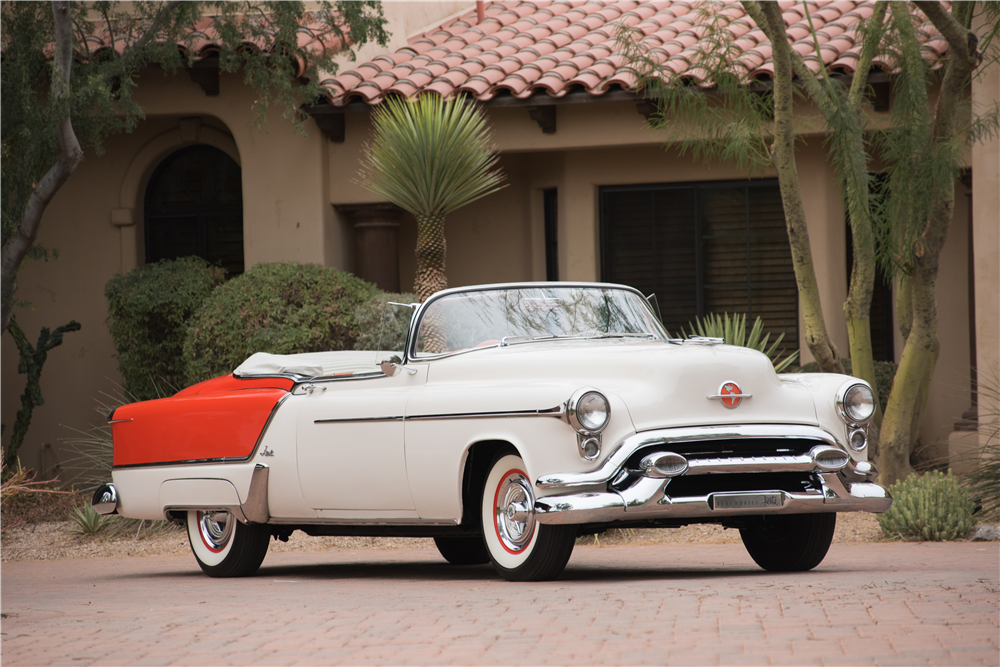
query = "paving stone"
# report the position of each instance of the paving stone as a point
(871, 604)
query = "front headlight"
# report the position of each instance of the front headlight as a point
(588, 411)
(856, 403)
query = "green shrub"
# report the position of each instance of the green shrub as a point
(734, 332)
(282, 308)
(931, 507)
(381, 326)
(148, 312)
(885, 372)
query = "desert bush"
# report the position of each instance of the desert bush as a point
(930, 507)
(381, 326)
(282, 308)
(885, 372)
(984, 480)
(734, 331)
(148, 312)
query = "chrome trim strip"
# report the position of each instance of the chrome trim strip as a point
(730, 396)
(362, 522)
(160, 464)
(358, 419)
(549, 412)
(621, 452)
(119, 421)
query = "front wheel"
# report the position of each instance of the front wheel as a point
(521, 548)
(223, 546)
(463, 550)
(789, 542)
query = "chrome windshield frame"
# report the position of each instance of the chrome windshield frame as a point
(409, 352)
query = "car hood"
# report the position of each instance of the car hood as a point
(662, 384)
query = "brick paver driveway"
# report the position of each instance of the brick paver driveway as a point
(888, 604)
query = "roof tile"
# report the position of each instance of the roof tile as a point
(552, 47)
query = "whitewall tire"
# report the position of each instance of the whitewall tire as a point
(223, 546)
(521, 548)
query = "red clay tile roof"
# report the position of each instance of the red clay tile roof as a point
(203, 40)
(527, 48)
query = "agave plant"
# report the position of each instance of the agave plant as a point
(734, 331)
(430, 156)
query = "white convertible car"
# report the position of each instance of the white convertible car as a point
(516, 418)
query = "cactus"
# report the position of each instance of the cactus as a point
(932, 507)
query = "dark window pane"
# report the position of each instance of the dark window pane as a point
(703, 249)
(194, 206)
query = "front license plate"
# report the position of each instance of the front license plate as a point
(746, 501)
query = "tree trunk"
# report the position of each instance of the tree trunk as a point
(70, 156)
(783, 159)
(908, 399)
(431, 251)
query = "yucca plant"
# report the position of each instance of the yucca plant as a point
(734, 331)
(430, 156)
(88, 522)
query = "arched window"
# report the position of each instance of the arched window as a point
(194, 206)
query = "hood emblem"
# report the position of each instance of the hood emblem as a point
(730, 394)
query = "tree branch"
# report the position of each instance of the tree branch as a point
(868, 51)
(70, 156)
(961, 42)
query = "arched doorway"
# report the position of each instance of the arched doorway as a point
(194, 206)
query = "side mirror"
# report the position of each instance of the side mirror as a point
(390, 368)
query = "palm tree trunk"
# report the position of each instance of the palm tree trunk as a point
(431, 251)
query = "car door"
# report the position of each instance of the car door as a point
(351, 454)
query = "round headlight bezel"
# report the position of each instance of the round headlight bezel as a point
(581, 408)
(848, 405)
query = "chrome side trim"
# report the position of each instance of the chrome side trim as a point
(362, 522)
(119, 421)
(255, 508)
(557, 411)
(187, 462)
(624, 449)
(550, 412)
(358, 419)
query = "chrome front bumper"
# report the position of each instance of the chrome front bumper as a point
(843, 486)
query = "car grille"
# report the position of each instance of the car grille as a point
(702, 485)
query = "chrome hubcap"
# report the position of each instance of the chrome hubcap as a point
(216, 528)
(515, 519)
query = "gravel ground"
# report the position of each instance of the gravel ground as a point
(55, 540)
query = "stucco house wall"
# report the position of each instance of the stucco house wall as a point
(292, 185)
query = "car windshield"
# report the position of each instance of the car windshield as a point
(483, 318)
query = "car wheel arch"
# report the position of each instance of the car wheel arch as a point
(478, 459)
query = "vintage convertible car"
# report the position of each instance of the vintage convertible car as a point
(516, 418)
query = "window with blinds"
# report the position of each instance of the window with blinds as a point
(703, 248)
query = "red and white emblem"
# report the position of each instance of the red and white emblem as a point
(731, 394)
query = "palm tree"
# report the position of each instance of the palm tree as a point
(430, 156)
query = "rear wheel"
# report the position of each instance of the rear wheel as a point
(223, 546)
(464, 550)
(789, 542)
(521, 548)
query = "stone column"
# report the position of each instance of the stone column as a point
(376, 250)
